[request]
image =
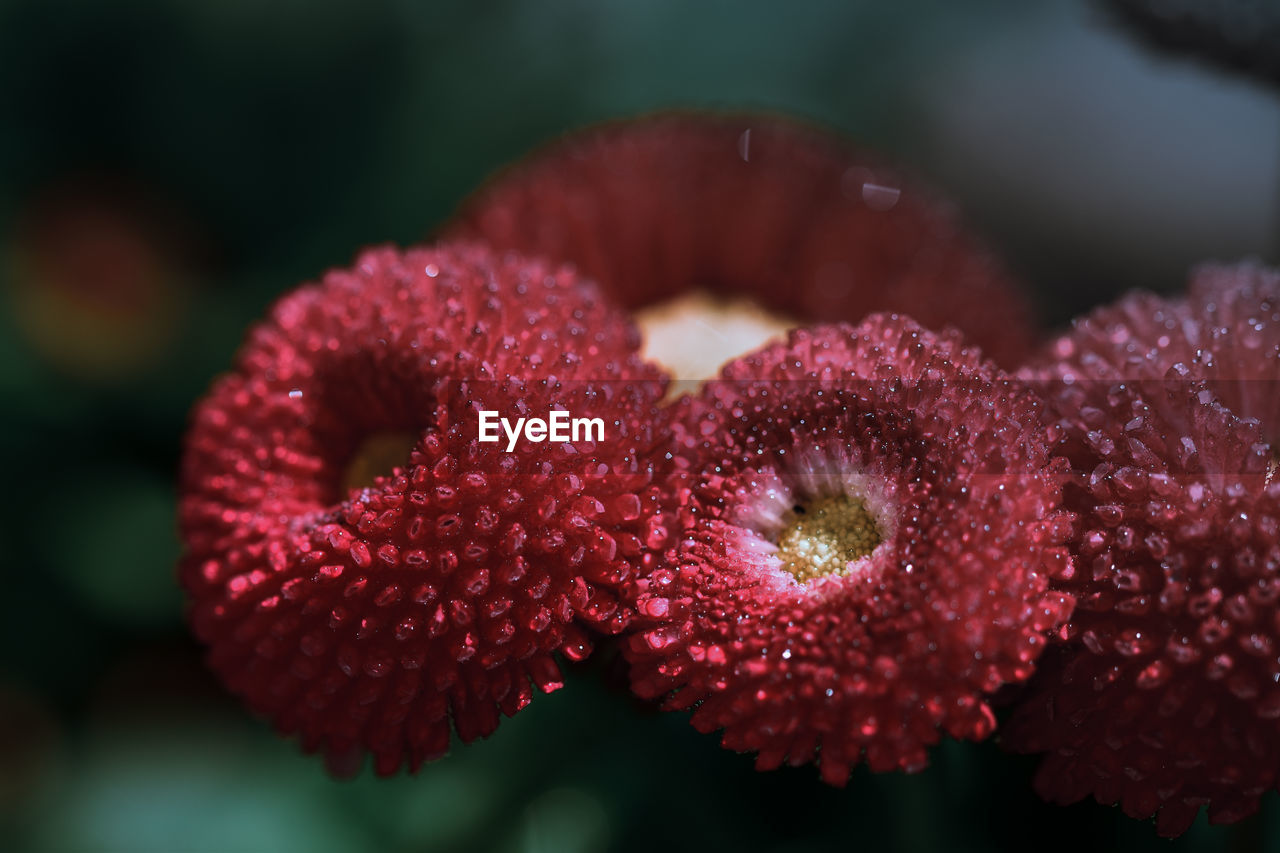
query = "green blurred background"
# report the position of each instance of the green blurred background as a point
(168, 168)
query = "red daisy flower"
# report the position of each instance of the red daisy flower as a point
(750, 206)
(1165, 695)
(99, 278)
(865, 544)
(361, 566)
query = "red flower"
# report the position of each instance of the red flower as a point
(750, 205)
(99, 280)
(1166, 694)
(364, 611)
(867, 535)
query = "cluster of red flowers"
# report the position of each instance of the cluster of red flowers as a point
(839, 550)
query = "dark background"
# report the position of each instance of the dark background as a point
(168, 168)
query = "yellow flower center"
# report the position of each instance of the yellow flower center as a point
(377, 456)
(823, 537)
(692, 336)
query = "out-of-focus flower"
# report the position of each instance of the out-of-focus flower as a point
(867, 530)
(361, 566)
(750, 206)
(97, 279)
(1165, 695)
(1241, 35)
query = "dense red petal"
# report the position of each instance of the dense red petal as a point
(750, 205)
(950, 457)
(1166, 694)
(367, 618)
